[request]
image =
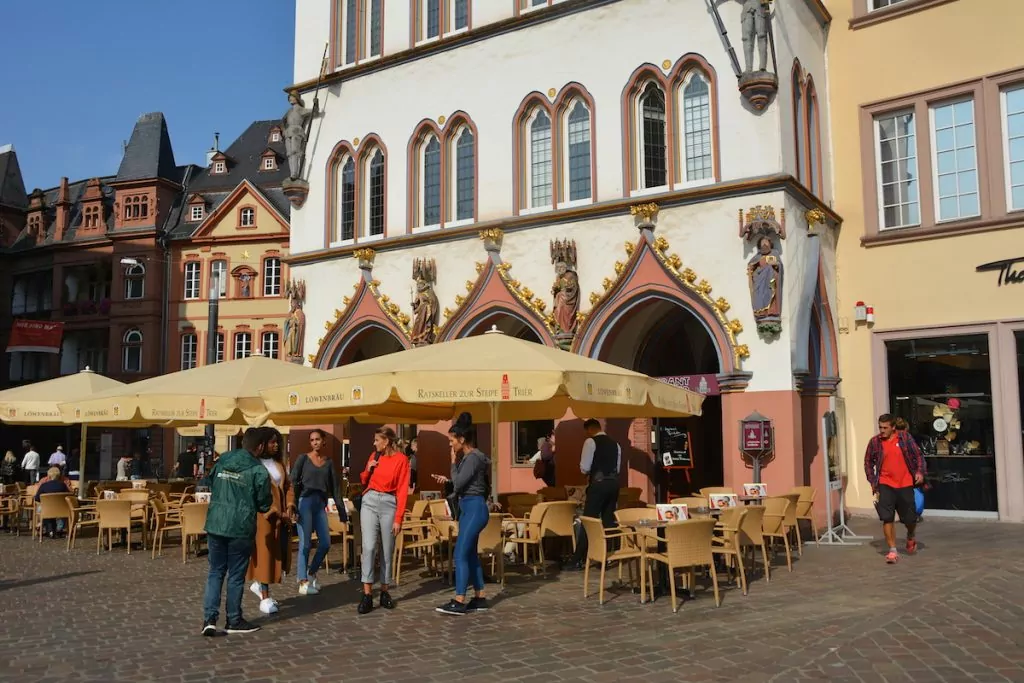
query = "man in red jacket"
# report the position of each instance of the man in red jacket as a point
(894, 466)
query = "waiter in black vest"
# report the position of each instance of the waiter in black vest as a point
(601, 461)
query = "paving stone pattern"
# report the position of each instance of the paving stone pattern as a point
(954, 612)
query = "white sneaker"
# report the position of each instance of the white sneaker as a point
(315, 583)
(255, 588)
(307, 588)
(268, 606)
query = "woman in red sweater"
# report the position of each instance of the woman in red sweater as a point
(386, 482)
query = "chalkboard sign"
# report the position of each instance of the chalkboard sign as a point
(675, 447)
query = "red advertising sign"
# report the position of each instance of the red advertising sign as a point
(755, 436)
(506, 389)
(706, 385)
(40, 336)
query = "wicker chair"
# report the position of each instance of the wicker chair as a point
(687, 546)
(597, 551)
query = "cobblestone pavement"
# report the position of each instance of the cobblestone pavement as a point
(954, 612)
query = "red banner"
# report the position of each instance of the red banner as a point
(40, 336)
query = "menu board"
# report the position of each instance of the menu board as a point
(675, 447)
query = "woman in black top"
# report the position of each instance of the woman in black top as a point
(314, 481)
(471, 484)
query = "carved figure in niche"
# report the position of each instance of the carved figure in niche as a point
(764, 271)
(566, 289)
(246, 281)
(295, 324)
(425, 308)
(755, 25)
(296, 131)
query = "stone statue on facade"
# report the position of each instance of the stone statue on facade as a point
(566, 290)
(425, 307)
(295, 324)
(296, 132)
(764, 271)
(297, 122)
(755, 23)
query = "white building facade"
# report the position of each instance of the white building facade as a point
(473, 133)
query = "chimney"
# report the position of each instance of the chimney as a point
(62, 219)
(214, 149)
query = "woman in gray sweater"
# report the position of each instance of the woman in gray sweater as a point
(471, 483)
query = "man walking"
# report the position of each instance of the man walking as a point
(601, 461)
(30, 463)
(58, 459)
(239, 488)
(894, 466)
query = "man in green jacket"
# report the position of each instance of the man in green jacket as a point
(239, 488)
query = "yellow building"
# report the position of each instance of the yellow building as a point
(927, 107)
(233, 231)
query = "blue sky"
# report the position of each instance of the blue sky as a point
(77, 75)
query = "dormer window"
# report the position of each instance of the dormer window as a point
(268, 160)
(196, 212)
(91, 217)
(275, 134)
(219, 168)
(34, 224)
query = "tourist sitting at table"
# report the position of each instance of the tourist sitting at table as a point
(54, 483)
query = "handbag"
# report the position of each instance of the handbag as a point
(919, 501)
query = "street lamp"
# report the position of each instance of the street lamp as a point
(211, 349)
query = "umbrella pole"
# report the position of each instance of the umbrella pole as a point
(81, 462)
(494, 450)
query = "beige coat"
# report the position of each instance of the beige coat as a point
(271, 554)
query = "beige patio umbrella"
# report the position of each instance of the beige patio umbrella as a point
(39, 404)
(222, 393)
(493, 376)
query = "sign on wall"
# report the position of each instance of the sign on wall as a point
(38, 336)
(1008, 275)
(706, 385)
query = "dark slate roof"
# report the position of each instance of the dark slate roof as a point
(149, 153)
(244, 158)
(12, 187)
(75, 192)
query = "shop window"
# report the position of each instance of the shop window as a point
(527, 434)
(942, 387)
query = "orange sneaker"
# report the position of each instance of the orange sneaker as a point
(911, 546)
(892, 557)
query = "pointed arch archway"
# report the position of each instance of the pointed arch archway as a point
(495, 293)
(367, 327)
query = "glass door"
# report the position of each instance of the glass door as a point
(942, 388)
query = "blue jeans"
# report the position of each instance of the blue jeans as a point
(312, 517)
(229, 557)
(473, 517)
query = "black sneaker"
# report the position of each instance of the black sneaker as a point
(453, 606)
(209, 628)
(366, 604)
(242, 626)
(478, 605)
(385, 600)
(572, 566)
